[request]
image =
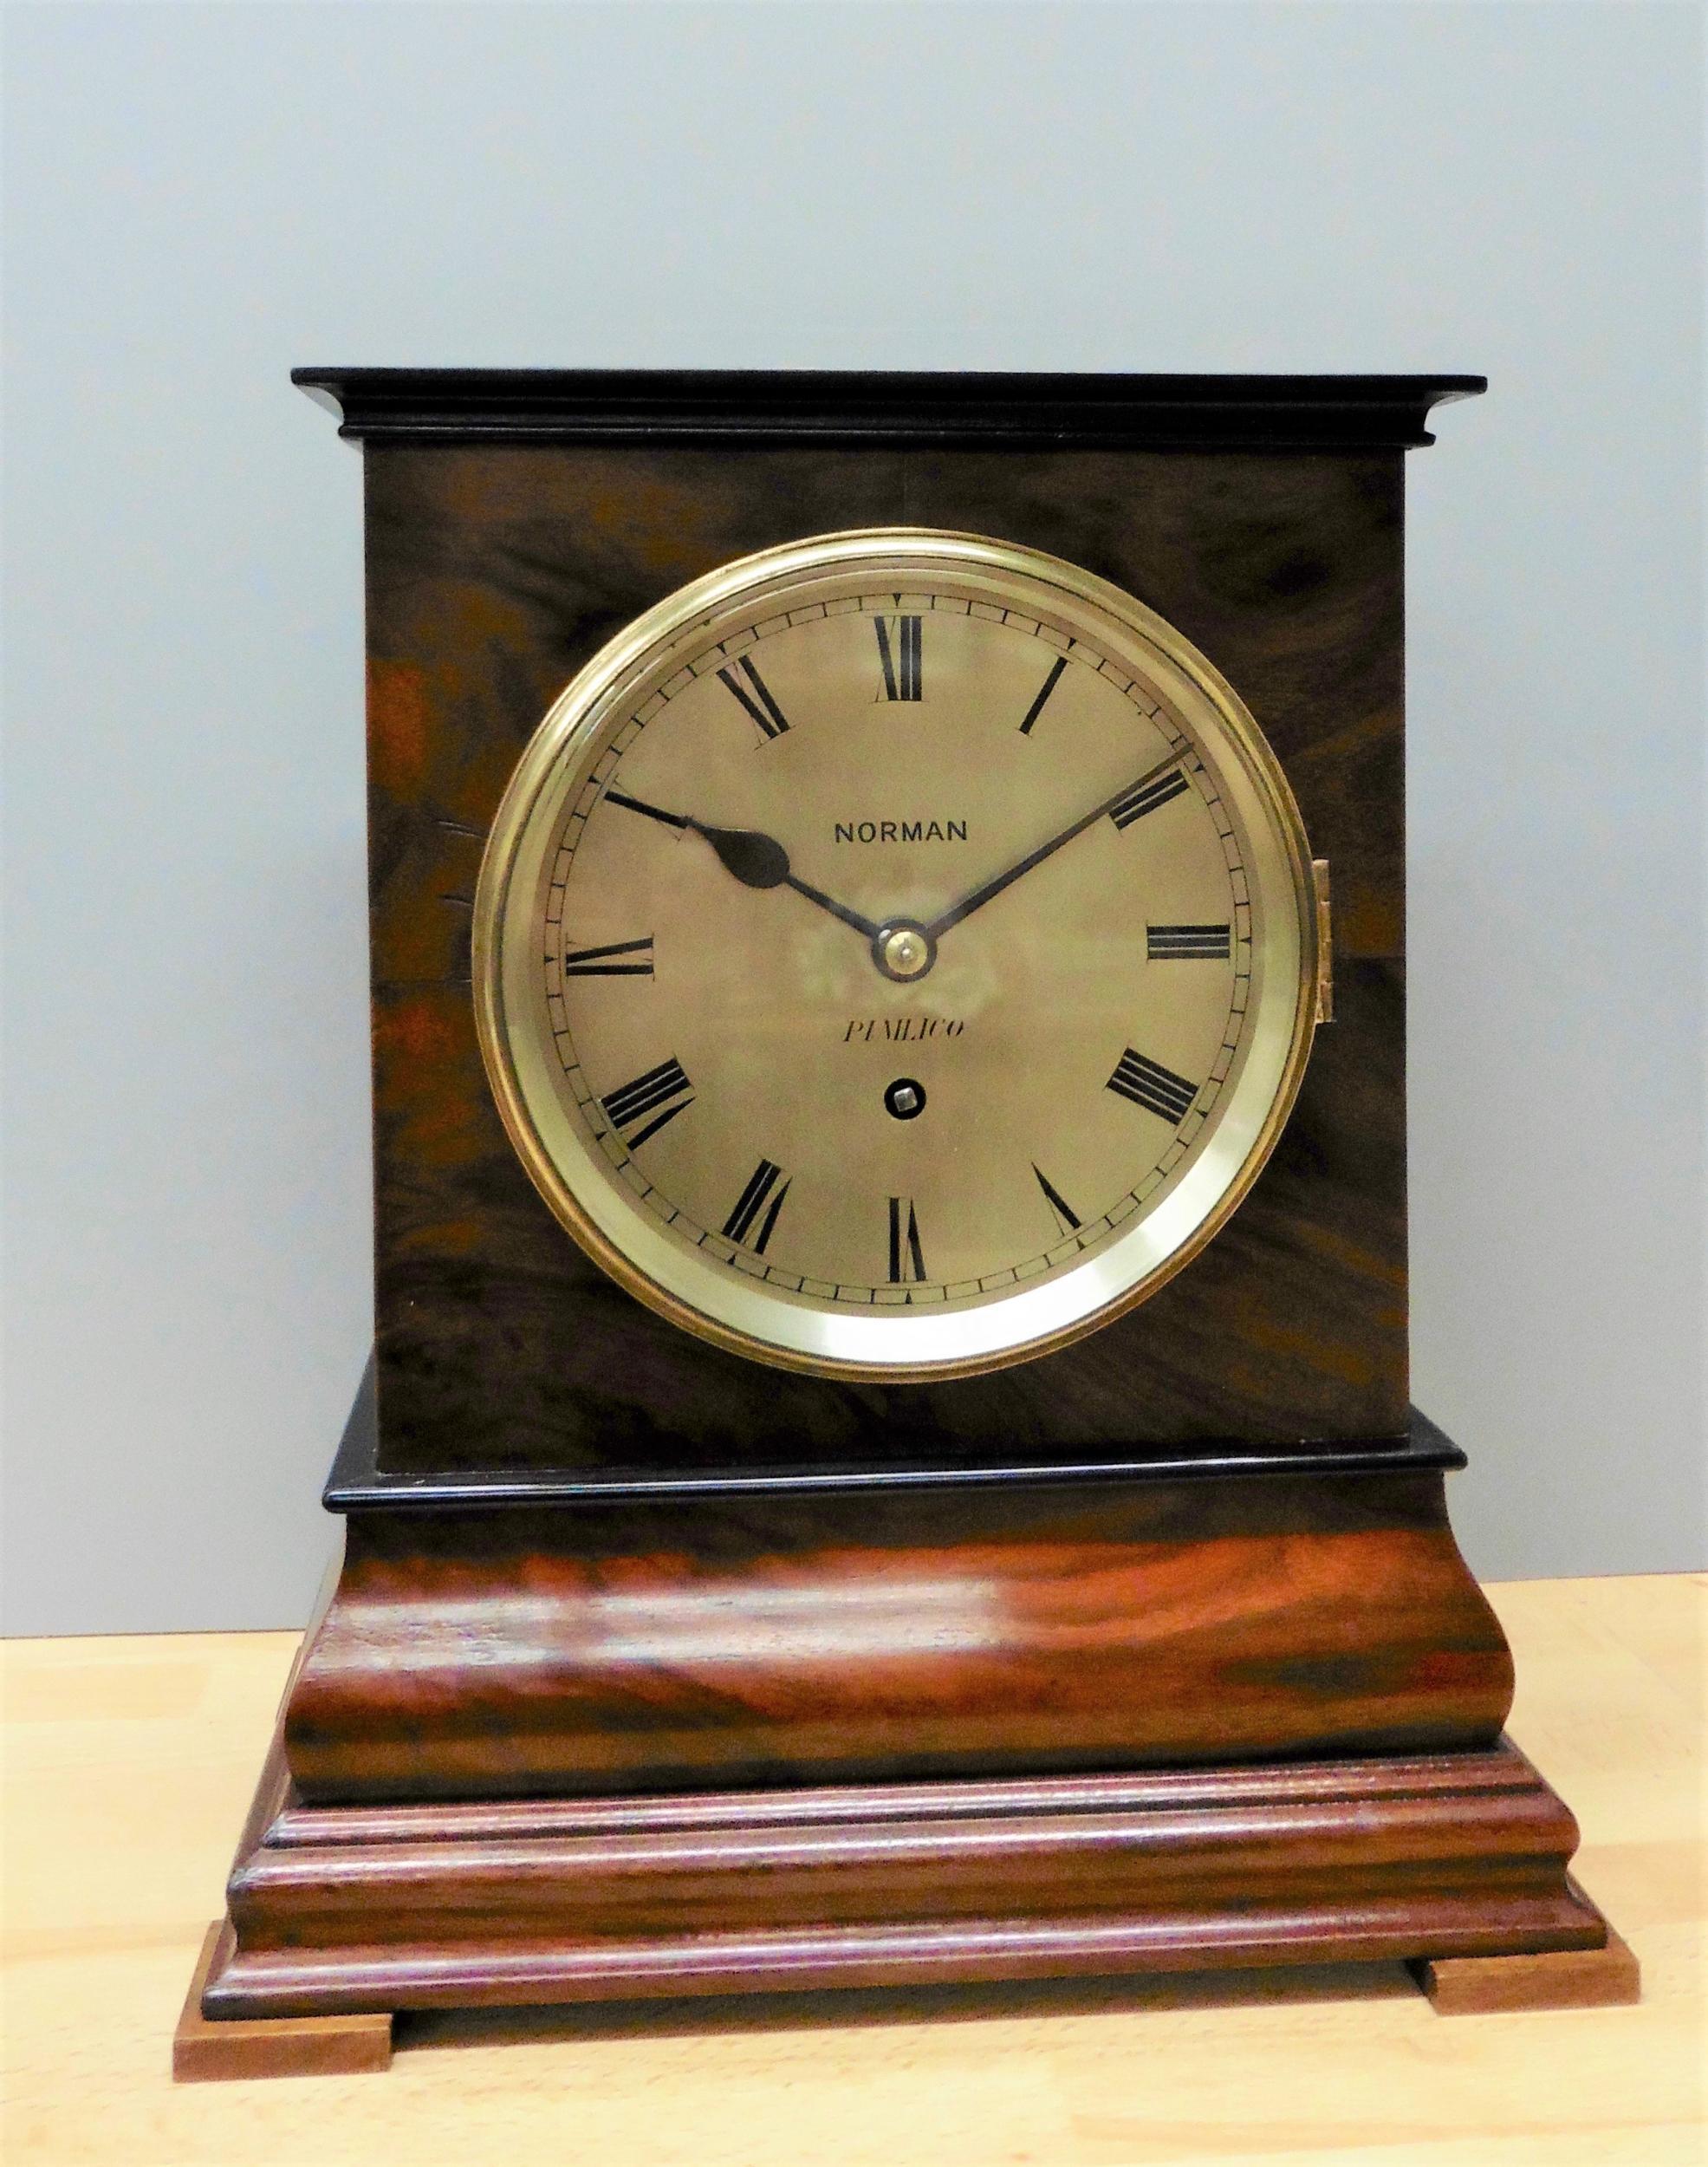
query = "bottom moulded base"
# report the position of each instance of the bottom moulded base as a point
(1450, 1862)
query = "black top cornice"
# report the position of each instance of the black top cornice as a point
(847, 408)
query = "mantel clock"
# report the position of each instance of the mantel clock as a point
(889, 1412)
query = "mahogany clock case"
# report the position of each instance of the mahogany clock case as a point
(514, 524)
(654, 1671)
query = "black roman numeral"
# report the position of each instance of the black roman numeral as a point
(622, 959)
(762, 1185)
(754, 696)
(907, 1260)
(1037, 705)
(1058, 1203)
(1163, 943)
(1147, 1084)
(1146, 797)
(900, 650)
(662, 1092)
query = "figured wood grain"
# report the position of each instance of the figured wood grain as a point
(127, 1764)
(734, 1642)
(494, 571)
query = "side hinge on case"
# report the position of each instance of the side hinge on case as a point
(1325, 943)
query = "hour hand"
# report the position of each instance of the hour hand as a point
(757, 860)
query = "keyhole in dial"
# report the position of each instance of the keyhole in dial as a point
(906, 1098)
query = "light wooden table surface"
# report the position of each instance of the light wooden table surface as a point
(129, 1764)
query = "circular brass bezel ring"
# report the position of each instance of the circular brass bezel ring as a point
(747, 1316)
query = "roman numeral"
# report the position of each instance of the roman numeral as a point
(762, 1184)
(1037, 705)
(907, 1260)
(900, 650)
(1147, 1084)
(1058, 1203)
(1146, 797)
(663, 1093)
(622, 959)
(1163, 943)
(745, 682)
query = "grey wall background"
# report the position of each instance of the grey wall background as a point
(198, 196)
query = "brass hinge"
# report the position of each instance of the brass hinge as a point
(1325, 943)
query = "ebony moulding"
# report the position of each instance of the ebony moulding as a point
(1012, 412)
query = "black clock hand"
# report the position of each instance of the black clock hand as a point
(757, 860)
(982, 895)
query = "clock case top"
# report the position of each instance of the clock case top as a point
(516, 520)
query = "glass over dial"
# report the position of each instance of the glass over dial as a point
(894, 953)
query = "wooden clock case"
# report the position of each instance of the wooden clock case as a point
(654, 1671)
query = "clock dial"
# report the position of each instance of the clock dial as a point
(859, 907)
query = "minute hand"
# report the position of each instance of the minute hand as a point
(979, 897)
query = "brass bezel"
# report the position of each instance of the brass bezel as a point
(569, 738)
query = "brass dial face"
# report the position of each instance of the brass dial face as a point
(895, 953)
